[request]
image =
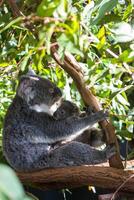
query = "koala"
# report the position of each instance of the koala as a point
(94, 137)
(30, 129)
(65, 110)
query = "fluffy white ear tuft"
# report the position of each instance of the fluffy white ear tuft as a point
(22, 86)
(31, 72)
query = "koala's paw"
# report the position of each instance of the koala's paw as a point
(89, 110)
(110, 150)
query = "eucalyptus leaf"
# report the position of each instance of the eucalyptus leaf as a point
(122, 100)
(66, 44)
(47, 7)
(114, 94)
(130, 128)
(10, 24)
(104, 6)
(10, 184)
(86, 14)
(24, 62)
(3, 197)
(125, 133)
(123, 32)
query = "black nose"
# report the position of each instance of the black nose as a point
(55, 115)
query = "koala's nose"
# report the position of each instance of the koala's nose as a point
(55, 115)
(58, 101)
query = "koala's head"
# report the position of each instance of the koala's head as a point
(97, 138)
(67, 109)
(40, 94)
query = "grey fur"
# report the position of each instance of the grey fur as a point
(66, 109)
(92, 136)
(29, 135)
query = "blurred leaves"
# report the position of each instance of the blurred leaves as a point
(47, 7)
(123, 32)
(10, 186)
(102, 8)
(120, 91)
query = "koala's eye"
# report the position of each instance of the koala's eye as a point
(76, 110)
(62, 112)
(51, 90)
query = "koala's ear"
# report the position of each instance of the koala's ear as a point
(31, 72)
(76, 110)
(24, 88)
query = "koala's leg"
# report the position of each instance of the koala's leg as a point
(71, 154)
(94, 137)
(76, 154)
(32, 158)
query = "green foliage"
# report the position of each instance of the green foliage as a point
(121, 35)
(47, 8)
(10, 186)
(98, 33)
(102, 8)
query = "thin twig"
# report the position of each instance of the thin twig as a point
(44, 20)
(119, 188)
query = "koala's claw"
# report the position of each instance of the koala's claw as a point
(89, 110)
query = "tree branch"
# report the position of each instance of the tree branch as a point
(69, 177)
(15, 10)
(71, 66)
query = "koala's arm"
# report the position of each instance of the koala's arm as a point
(70, 128)
(58, 130)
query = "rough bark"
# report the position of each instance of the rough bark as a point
(69, 177)
(71, 66)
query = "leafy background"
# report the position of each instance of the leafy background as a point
(100, 35)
